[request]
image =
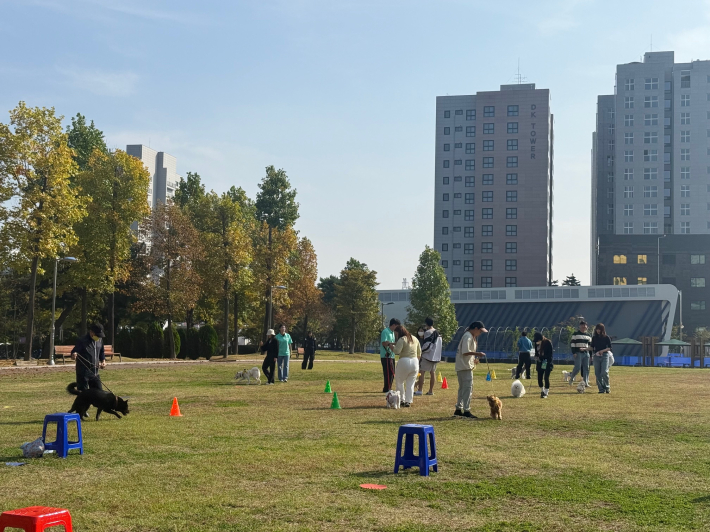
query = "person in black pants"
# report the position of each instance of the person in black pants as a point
(271, 348)
(543, 365)
(309, 351)
(89, 356)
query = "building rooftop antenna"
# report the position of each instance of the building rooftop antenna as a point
(519, 78)
(405, 284)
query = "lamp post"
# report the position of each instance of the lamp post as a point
(659, 258)
(680, 329)
(382, 310)
(50, 362)
(271, 303)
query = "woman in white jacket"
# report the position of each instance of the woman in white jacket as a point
(405, 374)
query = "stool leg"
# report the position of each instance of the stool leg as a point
(81, 440)
(62, 439)
(399, 453)
(432, 445)
(409, 448)
(423, 456)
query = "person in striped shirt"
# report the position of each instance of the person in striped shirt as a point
(580, 343)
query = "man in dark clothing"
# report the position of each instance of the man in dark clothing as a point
(309, 351)
(89, 356)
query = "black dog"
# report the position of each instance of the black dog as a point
(98, 398)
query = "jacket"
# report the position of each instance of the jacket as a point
(310, 345)
(544, 351)
(271, 348)
(91, 354)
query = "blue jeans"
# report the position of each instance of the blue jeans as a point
(581, 365)
(283, 367)
(601, 371)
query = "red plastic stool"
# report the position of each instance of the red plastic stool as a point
(35, 519)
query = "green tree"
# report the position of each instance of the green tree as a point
(208, 341)
(155, 340)
(84, 140)
(431, 296)
(357, 308)
(190, 191)
(571, 280)
(36, 165)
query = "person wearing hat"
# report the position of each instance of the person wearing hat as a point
(543, 365)
(271, 348)
(89, 355)
(465, 362)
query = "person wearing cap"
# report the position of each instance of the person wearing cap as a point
(89, 355)
(465, 363)
(543, 365)
(271, 348)
(580, 343)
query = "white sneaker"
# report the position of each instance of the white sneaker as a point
(417, 393)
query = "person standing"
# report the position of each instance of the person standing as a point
(309, 351)
(525, 346)
(580, 344)
(89, 355)
(543, 365)
(431, 356)
(285, 342)
(271, 348)
(465, 363)
(409, 350)
(387, 341)
(601, 347)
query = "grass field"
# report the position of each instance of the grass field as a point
(277, 458)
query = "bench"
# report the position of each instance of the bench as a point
(65, 351)
(299, 351)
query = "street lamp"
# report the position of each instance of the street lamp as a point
(382, 310)
(271, 302)
(659, 258)
(50, 362)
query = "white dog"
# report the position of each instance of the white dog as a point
(513, 372)
(517, 389)
(249, 374)
(393, 399)
(580, 387)
(566, 375)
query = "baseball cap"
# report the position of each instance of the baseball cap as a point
(478, 325)
(98, 330)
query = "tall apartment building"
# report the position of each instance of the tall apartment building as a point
(651, 176)
(494, 177)
(163, 176)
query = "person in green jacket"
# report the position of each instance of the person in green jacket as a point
(285, 342)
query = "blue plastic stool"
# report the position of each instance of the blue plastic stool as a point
(62, 445)
(424, 460)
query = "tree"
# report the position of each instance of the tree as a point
(431, 296)
(36, 165)
(84, 140)
(571, 280)
(190, 190)
(554, 283)
(357, 308)
(175, 285)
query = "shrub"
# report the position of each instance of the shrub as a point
(248, 349)
(123, 343)
(155, 340)
(193, 344)
(166, 342)
(139, 341)
(208, 341)
(182, 333)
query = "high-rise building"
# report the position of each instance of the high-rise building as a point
(493, 207)
(651, 177)
(163, 176)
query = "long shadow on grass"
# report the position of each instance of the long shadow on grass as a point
(40, 421)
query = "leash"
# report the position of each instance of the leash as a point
(96, 374)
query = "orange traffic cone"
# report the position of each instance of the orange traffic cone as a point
(175, 410)
(444, 385)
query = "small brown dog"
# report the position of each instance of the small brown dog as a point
(496, 407)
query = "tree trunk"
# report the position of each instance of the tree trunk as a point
(268, 309)
(189, 318)
(111, 302)
(83, 328)
(235, 349)
(171, 338)
(226, 318)
(29, 330)
(352, 343)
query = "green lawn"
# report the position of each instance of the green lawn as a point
(277, 458)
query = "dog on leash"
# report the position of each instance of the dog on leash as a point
(496, 406)
(249, 374)
(517, 389)
(581, 387)
(393, 399)
(513, 373)
(102, 400)
(566, 375)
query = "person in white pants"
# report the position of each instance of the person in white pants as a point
(405, 374)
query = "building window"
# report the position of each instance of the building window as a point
(629, 120)
(487, 179)
(446, 197)
(650, 209)
(610, 209)
(487, 196)
(457, 195)
(468, 282)
(628, 156)
(628, 209)
(445, 214)
(444, 263)
(447, 147)
(641, 280)
(470, 181)
(650, 137)
(468, 265)
(697, 259)
(458, 128)
(650, 119)
(487, 214)
(650, 173)
(459, 111)
(457, 162)
(486, 265)
(447, 131)
(470, 164)
(470, 198)
(619, 280)
(511, 247)
(446, 164)
(457, 179)
(642, 259)
(489, 111)
(628, 192)
(447, 114)
(684, 228)
(444, 247)
(511, 230)
(697, 282)
(470, 114)
(511, 265)
(511, 162)
(513, 110)
(511, 179)
(487, 145)
(650, 228)
(651, 84)
(457, 229)
(511, 281)
(629, 84)
(468, 249)
(470, 131)
(488, 162)
(457, 212)
(511, 213)
(697, 305)
(628, 228)
(486, 282)
(685, 136)
(619, 259)
(486, 230)
(650, 191)
(487, 247)
(650, 156)
(685, 209)
(456, 279)
(610, 226)
(684, 119)
(512, 128)
(468, 232)
(628, 102)
(444, 230)
(685, 172)
(685, 154)
(446, 180)
(650, 101)
(488, 129)
(471, 148)
(511, 196)
(685, 100)
(611, 129)
(628, 138)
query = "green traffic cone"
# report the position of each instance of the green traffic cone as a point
(335, 405)
(327, 387)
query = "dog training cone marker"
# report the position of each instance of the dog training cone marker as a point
(488, 376)
(444, 385)
(493, 374)
(335, 405)
(327, 387)
(175, 410)
(438, 378)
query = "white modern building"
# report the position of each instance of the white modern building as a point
(163, 172)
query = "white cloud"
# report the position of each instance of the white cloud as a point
(102, 82)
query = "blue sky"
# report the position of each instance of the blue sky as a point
(341, 94)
